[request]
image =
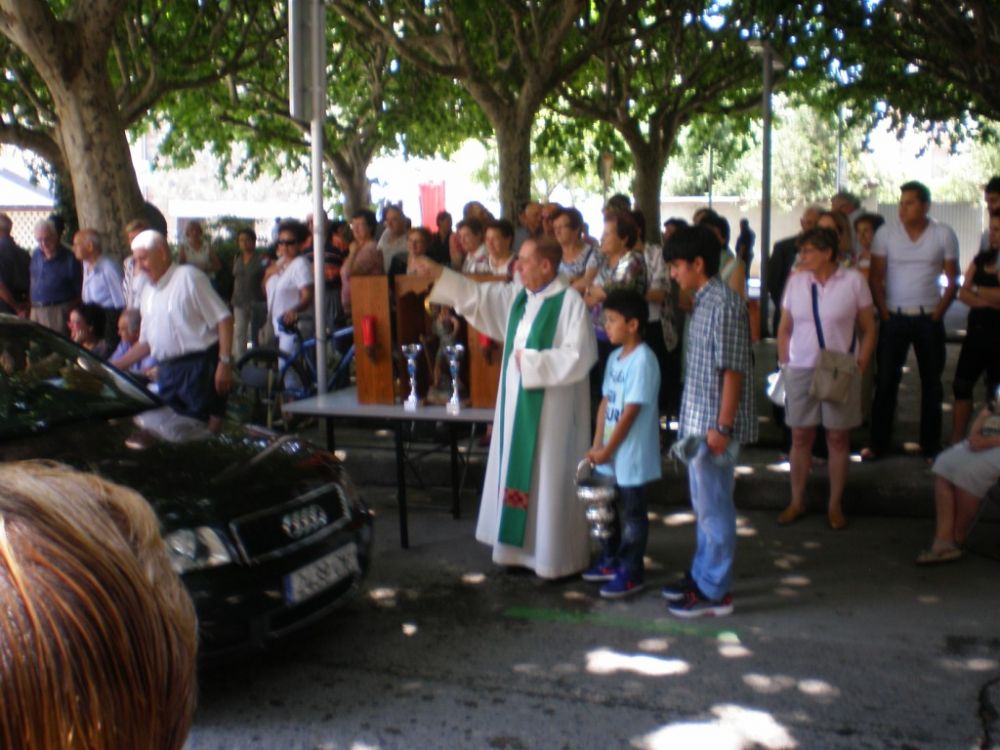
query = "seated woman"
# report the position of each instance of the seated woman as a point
(98, 636)
(965, 472)
(86, 323)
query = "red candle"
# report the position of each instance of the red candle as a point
(484, 341)
(368, 331)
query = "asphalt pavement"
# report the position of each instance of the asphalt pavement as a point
(837, 640)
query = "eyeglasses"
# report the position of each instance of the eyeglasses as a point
(287, 242)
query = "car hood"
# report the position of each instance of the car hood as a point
(190, 475)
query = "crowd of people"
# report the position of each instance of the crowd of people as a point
(634, 331)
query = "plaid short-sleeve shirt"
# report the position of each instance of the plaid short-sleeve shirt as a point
(718, 340)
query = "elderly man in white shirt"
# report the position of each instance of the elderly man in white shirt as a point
(188, 329)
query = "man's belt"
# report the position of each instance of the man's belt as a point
(51, 304)
(911, 311)
(212, 351)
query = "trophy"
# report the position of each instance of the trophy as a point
(454, 354)
(597, 493)
(411, 352)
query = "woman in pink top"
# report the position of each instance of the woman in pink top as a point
(844, 305)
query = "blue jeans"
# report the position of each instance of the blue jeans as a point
(928, 340)
(711, 479)
(627, 545)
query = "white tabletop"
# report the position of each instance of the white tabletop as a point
(344, 403)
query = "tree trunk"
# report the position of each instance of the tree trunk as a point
(514, 146)
(350, 169)
(649, 166)
(97, 154)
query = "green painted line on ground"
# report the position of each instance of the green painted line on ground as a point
(622, 622)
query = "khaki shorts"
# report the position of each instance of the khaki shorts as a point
(802, 410)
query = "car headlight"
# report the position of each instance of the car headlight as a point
(196, 549)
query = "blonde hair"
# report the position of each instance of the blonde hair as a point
(98, 636)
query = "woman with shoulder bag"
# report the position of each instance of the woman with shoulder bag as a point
(823, 307)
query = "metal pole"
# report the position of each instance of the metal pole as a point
(711, 174)
(319, 214)
(840, 149)
(765, 185)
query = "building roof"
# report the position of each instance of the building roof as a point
(19, 192)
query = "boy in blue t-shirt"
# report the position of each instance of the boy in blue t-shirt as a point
(627, 441)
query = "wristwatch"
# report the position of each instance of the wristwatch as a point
(975, 289)
(226, 359)
(724, 429)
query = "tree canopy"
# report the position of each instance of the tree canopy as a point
(509, 56)
(376, 103)
(78, 73)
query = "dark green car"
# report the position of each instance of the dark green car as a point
(267, 531)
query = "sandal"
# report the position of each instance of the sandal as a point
(790, 515)
(936, 556)
(868, 455)
(836, 519)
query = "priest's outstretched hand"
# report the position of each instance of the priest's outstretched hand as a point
(424, 266)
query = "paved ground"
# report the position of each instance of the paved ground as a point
(838, 641)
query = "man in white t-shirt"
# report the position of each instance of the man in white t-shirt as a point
(907, 260)
(188, 329)
(292, 293)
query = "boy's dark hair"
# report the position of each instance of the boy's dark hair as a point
(630, 305)
(689, 243)
(993, 186)
(922, 191)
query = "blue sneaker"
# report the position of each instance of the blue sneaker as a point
(695, 604)
(620, 586)
(674, 592)
(600, 572)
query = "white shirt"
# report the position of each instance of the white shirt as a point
(913, 267)
(659, 277)
(284, 295)
(391, 247)
(181, 313)
(102, 284)
(476, 259)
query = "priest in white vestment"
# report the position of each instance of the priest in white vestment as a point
(529, 511)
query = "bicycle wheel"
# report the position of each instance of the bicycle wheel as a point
(265, 382)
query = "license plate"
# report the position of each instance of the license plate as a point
(321, 574)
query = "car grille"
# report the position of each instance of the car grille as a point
(306, 519)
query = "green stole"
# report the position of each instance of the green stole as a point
(527, 414)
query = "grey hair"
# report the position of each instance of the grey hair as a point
(94, 237)
(47, 225)
(148, 240)
(133, 318)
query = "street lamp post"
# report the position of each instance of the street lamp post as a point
(770, 63)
